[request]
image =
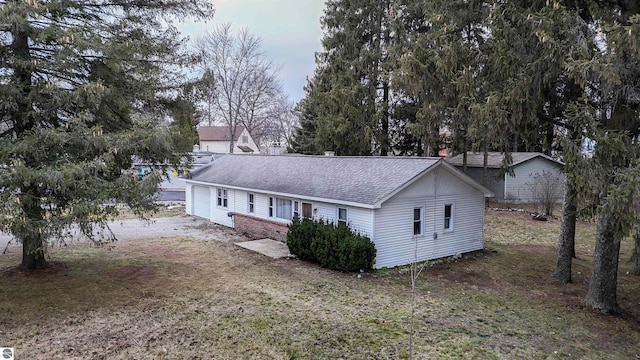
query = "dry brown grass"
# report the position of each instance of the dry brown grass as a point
(180, 298)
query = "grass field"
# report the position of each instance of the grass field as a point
(180, 298)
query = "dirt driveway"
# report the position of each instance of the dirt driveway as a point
(134, 229)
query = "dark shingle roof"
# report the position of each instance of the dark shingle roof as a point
(363, 180)
(495, 159)
(218, 133)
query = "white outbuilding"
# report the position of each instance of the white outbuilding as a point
(403, 204)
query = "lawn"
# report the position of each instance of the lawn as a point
(181, 298)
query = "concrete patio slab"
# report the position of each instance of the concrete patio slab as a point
(268, 247)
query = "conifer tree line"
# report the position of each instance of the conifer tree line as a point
(409, 77)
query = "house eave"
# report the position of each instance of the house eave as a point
(287, 195)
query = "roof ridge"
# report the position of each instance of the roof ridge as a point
(295, 155)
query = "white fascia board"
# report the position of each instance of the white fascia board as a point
(558, 162)
(467, 179)
(286, 195)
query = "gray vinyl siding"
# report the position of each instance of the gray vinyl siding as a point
(393, 234)
(324, 211)
(494, 181)
(359, 219)
(517, 185)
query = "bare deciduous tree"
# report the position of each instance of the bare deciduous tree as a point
(282, 122)
(245, 83)
(546, 190)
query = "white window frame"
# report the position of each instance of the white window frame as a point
(296, 209)
(222, 198)
(339, 220)
(450, 218)
(271, 207)
(418, 221)
(274, 209)
(251, 203)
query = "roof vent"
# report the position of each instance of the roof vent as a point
(329, 153)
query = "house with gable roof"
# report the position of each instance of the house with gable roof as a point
(403, 204)
(217, 139)
(513, 187)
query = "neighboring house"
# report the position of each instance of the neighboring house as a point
(511, 188)
(174, 181)
(397, 202)
(216, 139)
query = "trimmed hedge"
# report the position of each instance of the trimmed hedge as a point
(331, 246)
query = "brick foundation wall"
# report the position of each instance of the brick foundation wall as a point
(258, 228)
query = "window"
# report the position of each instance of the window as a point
(296, 209)
(448, 219)
(270, 207)
(250, 207)
(245, 139)
(281, 208)
(342, 216)
(417, 221)
(222, 198)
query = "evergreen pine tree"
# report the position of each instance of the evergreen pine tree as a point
(80, 83)
(352, 116)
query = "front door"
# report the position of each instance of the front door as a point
(307, 210)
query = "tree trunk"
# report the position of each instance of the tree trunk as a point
(485, 160)
(232, 130)
(566, 241)
(30, 235)
(635, 257)
(604, 276)
(465, 145)
(548, 144)
(33, 253)
(384, 137)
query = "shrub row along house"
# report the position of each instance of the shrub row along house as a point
(395, 201)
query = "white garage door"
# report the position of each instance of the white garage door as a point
(201, 201)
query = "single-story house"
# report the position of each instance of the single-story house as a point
(398, 202)
(217, 139)
(515, 188)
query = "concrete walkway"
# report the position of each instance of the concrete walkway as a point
(268, 247)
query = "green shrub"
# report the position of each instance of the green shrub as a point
(299, 237)
(331, 246)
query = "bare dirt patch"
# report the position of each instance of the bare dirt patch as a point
(474, 278)
(132, 272)
(54, 268)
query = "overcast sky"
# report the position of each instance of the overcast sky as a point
(290, 31)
